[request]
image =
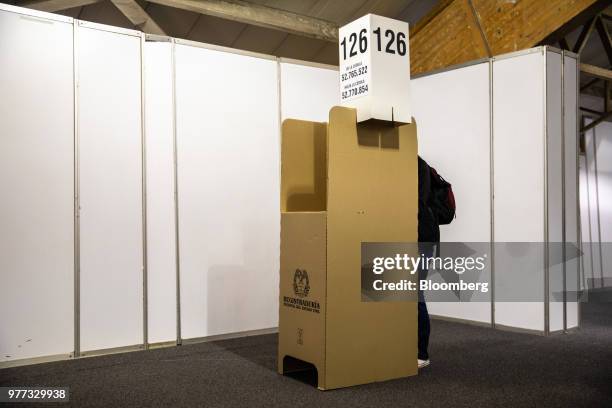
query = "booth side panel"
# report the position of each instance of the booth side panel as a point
(36, 180)
(303, 166)
(372, 196)
(302, 302)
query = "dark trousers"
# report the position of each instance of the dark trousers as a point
(424, 330)
(423, 316)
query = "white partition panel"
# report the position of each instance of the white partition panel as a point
(36, 177)
(110, 156)
(452, 114)
(555, 179)
(596, 195)
(592, 211)
(308, 92)
(518, 150)
(587, 266)
(228, 184)
(601, 139)
(570, 118)
(161, 243)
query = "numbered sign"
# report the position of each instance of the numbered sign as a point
(375, 68)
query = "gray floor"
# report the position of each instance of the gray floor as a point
(471, 366)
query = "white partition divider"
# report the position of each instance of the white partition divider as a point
(211, 133)
(593, 266)
(518, 128)
(554, 184)
(534, 178)
(308, 92)
(595, 208)
(110, 183)
(588, 269)
(570, 178)
(36, 178)
(227, 118)
(161, 231)
(458, 146)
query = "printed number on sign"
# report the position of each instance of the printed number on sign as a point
(363, 43)
(395, 42)
(389, 42)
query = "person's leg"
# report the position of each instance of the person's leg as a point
(427, 250)
(424, 329)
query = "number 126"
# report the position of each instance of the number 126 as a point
(395, 42)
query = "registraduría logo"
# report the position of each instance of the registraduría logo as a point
(301, 289)
(301, 284)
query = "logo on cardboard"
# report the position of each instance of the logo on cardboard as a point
(301, 288)
(301, 284)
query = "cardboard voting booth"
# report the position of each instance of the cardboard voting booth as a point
(344, 183)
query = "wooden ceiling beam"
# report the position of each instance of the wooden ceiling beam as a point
(596, 72)
(52, 6)
(138, 16)
(462, 30)
(604, 34)
(257, 15)
(584, 35)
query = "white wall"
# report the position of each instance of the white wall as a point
(110, 183)
(36, 179)
(227, 132)
(554, 177)
(518, 151)
(161, 242)
(308, 92)
(595, 208)
(229, 188)
(570, 115)
(452, 114)
(534, 128)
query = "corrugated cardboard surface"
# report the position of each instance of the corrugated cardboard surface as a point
(303, 166)
(372, 197)
(302, 330)
(370, 180)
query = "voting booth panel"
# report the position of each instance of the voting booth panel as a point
(161, 209)
(453, 112)
(331, 177)
(110, 188)
(227, 130)
(36, 177)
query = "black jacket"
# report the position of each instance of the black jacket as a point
(429, 230)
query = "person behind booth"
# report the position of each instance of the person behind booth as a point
(429, 236)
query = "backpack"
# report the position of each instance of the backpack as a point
(442, 200)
